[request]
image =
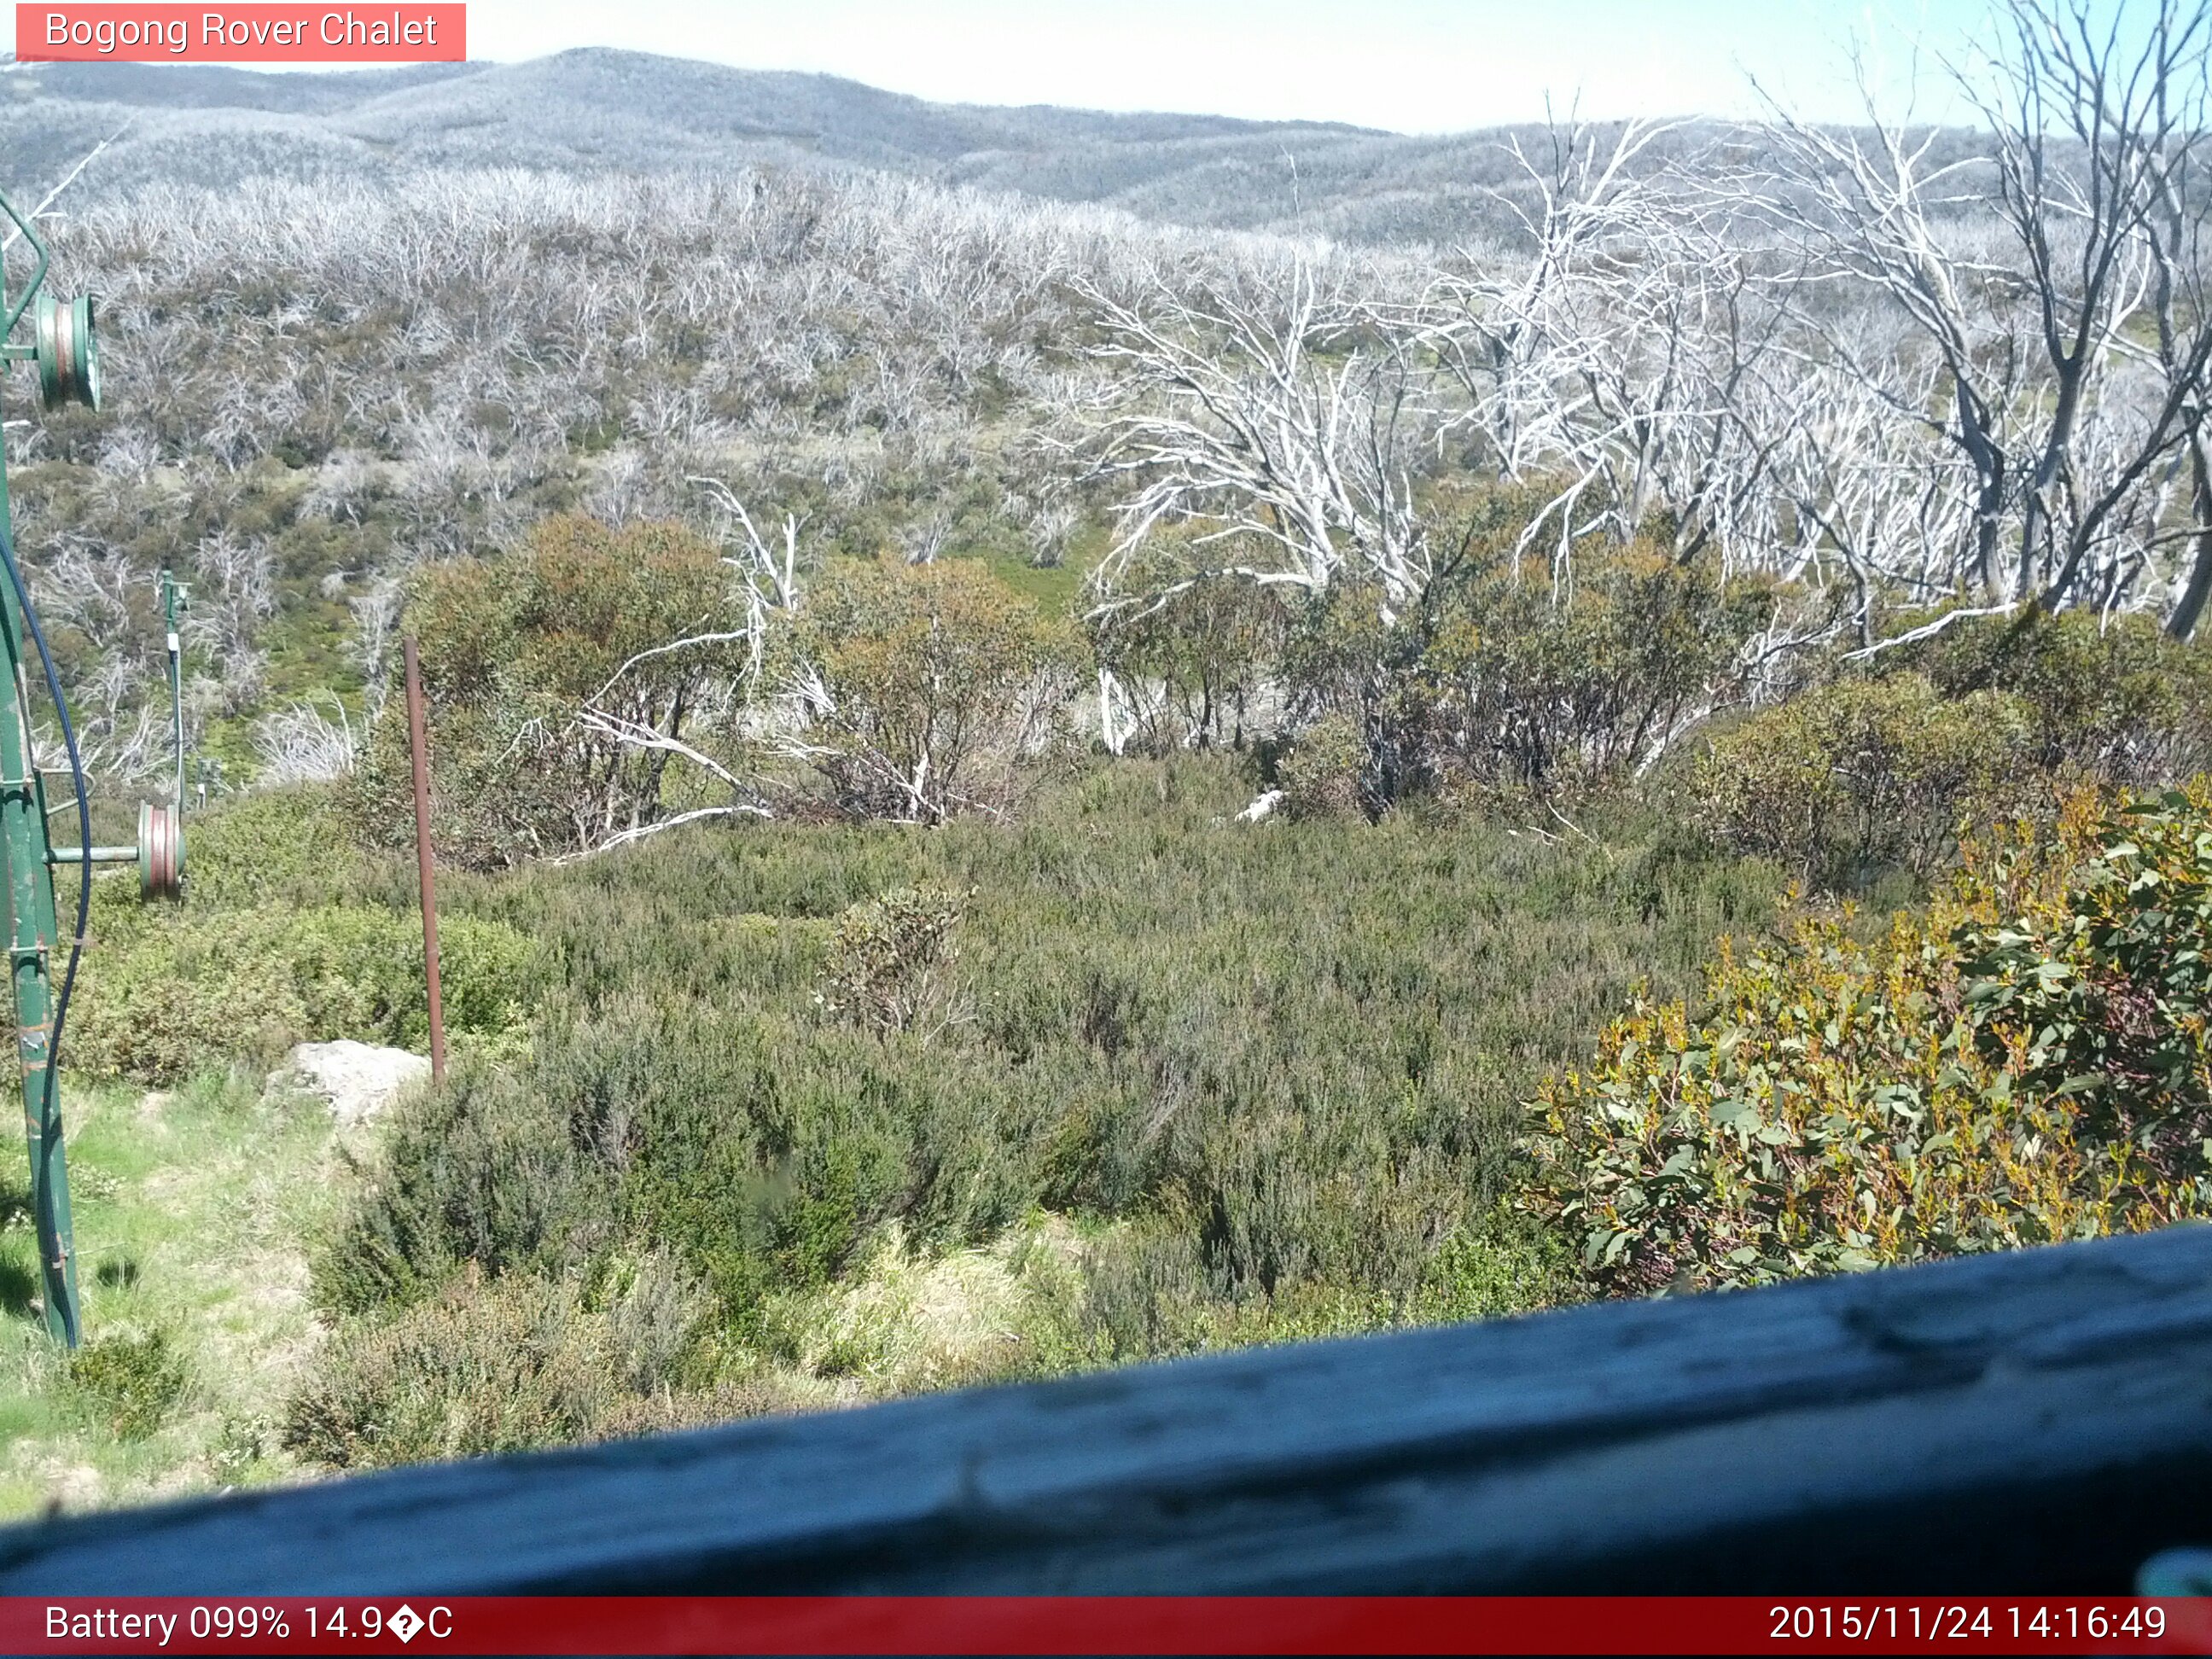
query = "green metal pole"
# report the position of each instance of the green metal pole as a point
(32, 933)
(33, 936)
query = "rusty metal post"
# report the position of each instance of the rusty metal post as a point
(418, 750)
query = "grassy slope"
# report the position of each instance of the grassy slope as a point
(192, 1210)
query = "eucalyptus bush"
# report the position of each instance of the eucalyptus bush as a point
(1504, 676)
(1195, 647)
(2113, 697)
(1594, 680)
(891, 962)
(923, 686)
(1858, 773)
(2109, 986)
(2020, 1063)
(557, 706)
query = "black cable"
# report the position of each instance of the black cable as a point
(51, 1110)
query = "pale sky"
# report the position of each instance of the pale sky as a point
(1409, 65)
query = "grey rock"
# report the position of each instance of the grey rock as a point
(359, 1080)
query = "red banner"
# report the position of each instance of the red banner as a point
(262, 34)
(1101, 1624)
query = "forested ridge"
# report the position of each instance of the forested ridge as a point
(1023, 785)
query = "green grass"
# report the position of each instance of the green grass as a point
(1057, 590)
(193, 1210)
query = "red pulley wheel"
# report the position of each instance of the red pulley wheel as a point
(161, 853)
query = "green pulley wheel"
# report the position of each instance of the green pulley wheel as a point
(69, 352)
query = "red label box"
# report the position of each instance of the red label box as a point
(308, 32)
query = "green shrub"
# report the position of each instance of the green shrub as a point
(1151, 1291)
(512, 648)
(924, 685)
(1146, 1295)
(291, 845)
(763, 1156)
(476, 1173)
(2108, 697)
(660, 1321)
(1862, 772)
(891, 962)
(170, 994)
(1360, 693)
(1300, 1054)
(135, 1379)
(481, 1368)
(174, 1001)
(794, 1145)
(1850, 1104)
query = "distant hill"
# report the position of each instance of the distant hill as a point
(599, 110)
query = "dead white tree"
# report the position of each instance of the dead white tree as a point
(769, 571)
(1877, 209)
(1673, 347)
(1273, 411)
(1862, 499)
(2093, 118)
(44, 209)
(236, 593)
(1630, 356)
(2091, 127)
(375, 618)
(300, 743)
(2180, 299)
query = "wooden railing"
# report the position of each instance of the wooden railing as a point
(2039, 1421)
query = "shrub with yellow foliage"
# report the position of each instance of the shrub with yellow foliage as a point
(2023, 1061)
